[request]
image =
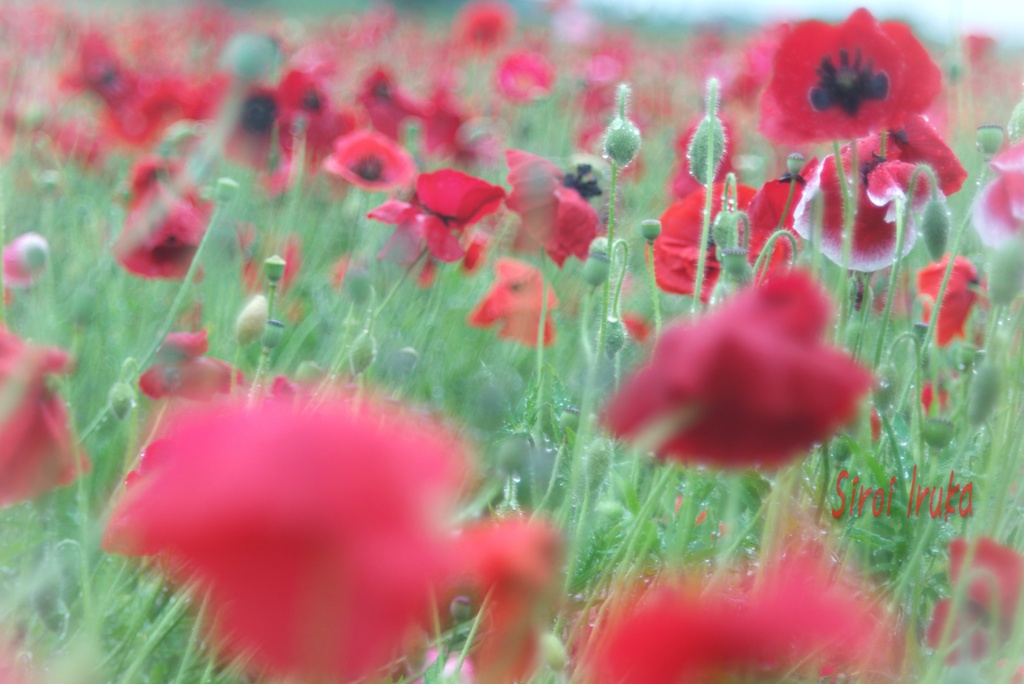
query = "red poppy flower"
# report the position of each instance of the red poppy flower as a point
(450, 131)
(515, 301)
(476, 252)
(303, 100)
(683, 182)
(483, 24)
(252, 139)
(182, 370)
(315, 567)
(789, 623)
(750, 384)
(446, 202)
(37, 453)
(843, 82)
(637, 325)
(928, 396)
(514, 563)
(525, 76)
(917, 142)
(880, 182)
(371, 161)
(999, 209)
(165, 222)
(553, 206)
(677, 249)
(961, 293)
(24, 259)
(387, 105)
(995, 576)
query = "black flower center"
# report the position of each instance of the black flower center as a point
(369, 169)
(311, 100)
(848, 85)
(583, 181)
(258, 114)
(382, 90)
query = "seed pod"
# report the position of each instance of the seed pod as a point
(650, 229)
(274, 268)
(272, 334)
(736, 266)
(990, 139)
(935, 228)
(984, 393)
(937, 432)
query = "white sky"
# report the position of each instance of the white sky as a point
(938, 18)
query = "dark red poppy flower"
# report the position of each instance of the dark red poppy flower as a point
(514, 563)
(37, 452)
(483, 24)
(961, 293)
(182, 370)
(165, 223)
(476, 252)
(446, 202)
(451, 131)
(683, 182)
(515, 301)
(525, 76)
(846, 81)
(917, 142)
(371, 161)
(24, 260)
(880, 181)
(304, 102)
(751, 384)
(677, 249)
(785, 625)
(995, 578)
(315, 567)
(999, 209)
(387, 105)
(552, 206)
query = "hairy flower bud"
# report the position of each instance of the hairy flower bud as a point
(708, 142)
(252, 320)
(121, 399)
(937, 432)
(725, 231)
(935, 228)
(615, 339)
(622, 137)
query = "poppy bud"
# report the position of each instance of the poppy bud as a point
(937, 432)
(840, 450)
(650, 229)
(364, 352)
(935, 227)
(965, 355)
(615, 339)
(272, 334)
(795, 164)
(1006, 273)
(599, 246)
(274, 268)
(599, 460)
(308, 372)
(708, 138)
(225, 190)
(622, 142)
(569, 420)
(990, 139)
(1015, 128)
(725, 230)
(735, 264)
(554, 651)
(461, 608)
(252, 321)
(984, 393)
(251, 57)
(595, 269)
(512, 454)
(121, 399)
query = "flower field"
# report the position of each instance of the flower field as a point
(507, 342)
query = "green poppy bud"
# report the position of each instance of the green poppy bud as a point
(554, 651)
(983, 396)
(461, 608)
(622, 142)
(121, 399)
(990, 139)
(615, 337)
(251, 57)
(795, 163)
(1006, 273)
(937, 432)
(595, 269)
(709, 134)
(935, 228)
(725, 230)
(364, 352)
(308, 372)
(225, 189)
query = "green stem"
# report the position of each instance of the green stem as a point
(539, 427)
(769, 248)
(654, 289)
(606, 301)
(705, 229)
(894, 272)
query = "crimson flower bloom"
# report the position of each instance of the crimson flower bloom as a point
(515, 301)
(514, 563)
(961, 293)
(450, 131)
(315, 533)
(387, 105)
(182, 370)
(165, 222)
(371, 161)
(483, 24)
(525, 76)
(552, 205)
(303, 100)
(999, 209)
(843, 82)
(790, 622)
(37, 453)
(995, 576)
(750, 384)
(677, 249)
(446, 202)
